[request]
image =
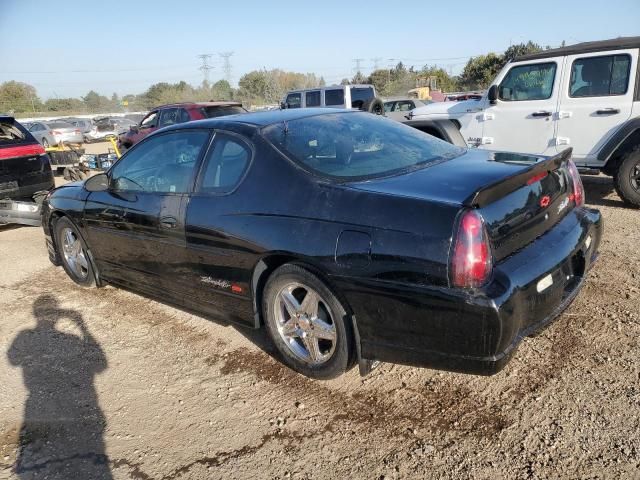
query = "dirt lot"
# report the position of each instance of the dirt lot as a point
(107, 383)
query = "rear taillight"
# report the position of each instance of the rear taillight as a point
(55, 132)
(578, 189)
(471, 261)
(21, 151)
(76, 131)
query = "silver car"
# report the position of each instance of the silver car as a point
(399, 108)
(55, 133)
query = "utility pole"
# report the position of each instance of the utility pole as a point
(226, 67)
(391, 65)
(206, 66)
(376, 61)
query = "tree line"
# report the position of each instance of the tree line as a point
(260, 87)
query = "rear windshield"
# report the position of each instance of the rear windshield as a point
(11, 133)
(59, 125)
(352, 146)
(211, 112)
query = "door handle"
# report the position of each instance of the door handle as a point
(168, 222)
(541, 114)
(608, 111)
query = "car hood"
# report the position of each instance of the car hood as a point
(448, 108)
(452, 181)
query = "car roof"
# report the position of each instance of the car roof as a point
(200, 104)
(260, 119)
(585, 47)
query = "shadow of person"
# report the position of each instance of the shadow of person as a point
(61, 435)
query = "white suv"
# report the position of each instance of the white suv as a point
(585, 96)
(360, 97)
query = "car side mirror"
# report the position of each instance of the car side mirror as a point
(492, 95)
(97, 183)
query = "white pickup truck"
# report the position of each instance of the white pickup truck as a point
(585, 96)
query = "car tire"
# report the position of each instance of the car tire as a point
(317, 341)
(45, 143)
(73, 253)
(374, 105)
(626, 179)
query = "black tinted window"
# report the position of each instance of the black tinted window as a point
(225, 165)
(600, 76)
(357, 145)
(163, 163)
(361, 94)
(312, 98)
(221, 111)
(294, 100)
(528, 82)
(333, 97)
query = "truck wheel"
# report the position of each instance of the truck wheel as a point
(374, 106)
(627, 178)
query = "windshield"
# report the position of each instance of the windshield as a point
(352, 146)
(59, 125)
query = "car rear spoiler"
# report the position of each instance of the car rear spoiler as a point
(494, 191)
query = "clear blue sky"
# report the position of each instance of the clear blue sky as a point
(64, 48)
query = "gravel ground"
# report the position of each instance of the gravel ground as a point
(107, 384)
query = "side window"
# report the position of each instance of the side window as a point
(528, 82)
(404, 106)
(600, 76)
(225, 164)
(312, 99)
(162, 164)
(150, 120)
(294, 100)
(388, 106)
(183, 115)
(334, 98)
(168, 117)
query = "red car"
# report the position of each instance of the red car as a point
(176, 113)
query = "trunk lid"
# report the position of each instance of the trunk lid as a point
(519, 196)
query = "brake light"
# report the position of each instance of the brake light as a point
(471, 261)
(21, 151)
(578, 189)
(55, 132)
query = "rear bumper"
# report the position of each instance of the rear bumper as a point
(23, 213)
(476, 331)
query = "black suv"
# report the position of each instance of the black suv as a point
(25, 168)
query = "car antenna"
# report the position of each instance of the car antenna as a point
(286, 127)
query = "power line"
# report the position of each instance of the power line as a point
(375, 61)
(205, 67)
(226, 68)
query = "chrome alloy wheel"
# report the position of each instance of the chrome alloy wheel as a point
(304, 323)
(74, 255)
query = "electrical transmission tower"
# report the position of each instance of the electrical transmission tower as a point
(376, 61)
(226, 67)
(358, 62)
(206, 66)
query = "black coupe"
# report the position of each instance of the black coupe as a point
(350, 237)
